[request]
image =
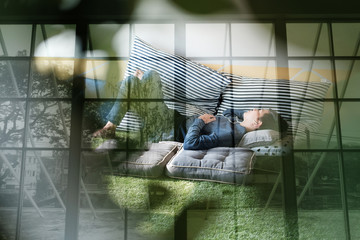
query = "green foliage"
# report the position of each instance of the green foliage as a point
(49, 120)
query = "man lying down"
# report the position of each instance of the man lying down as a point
(207, 131)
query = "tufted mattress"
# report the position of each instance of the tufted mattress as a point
(221, 164)
(149, 163)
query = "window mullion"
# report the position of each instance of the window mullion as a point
(288, 165)
(77, 106)
(26, 113)
(337, 123)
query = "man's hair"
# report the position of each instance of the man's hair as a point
(274, 121)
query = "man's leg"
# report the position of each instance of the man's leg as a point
(149, 105)
(157, 117)
(128, 88)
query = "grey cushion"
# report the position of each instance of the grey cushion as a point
(221, 164)
(149, 163)
(259, 138)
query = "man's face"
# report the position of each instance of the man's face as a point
(254, 115)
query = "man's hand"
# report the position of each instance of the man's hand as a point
(207, 118)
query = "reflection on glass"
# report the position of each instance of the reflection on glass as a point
(103, 78)
(347, 77)
(132, 130)
(94, 118)
(252, 39)
(14, 77)
(46, 177)
(17, 39)
(354, 219)
(150, 33)
(45, 181)
(256, 69)
(307, 39)
(10, 167)
(320, 209)
(155, 121)
(109, 40)
(346, 39)
(352, 165)
(55, 41)
(49, 124)
(95, 200)
(324, 190)
(217, 65)
(52, 78)
(315, 114)
(12, 123)
(323, 137)
(207, 40)
(350, 129)
(310, 71)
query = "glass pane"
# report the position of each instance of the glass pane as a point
(307, 39)
(109, 40)
(237, 223)
(320, 211)
(207, 40)
(153, 204)
(320, 224)
(155, 121)
(324, 137)
(103, 78)
(346, 39)
(350, 129)
(49, 124)
(55, 41)
(10, 167)
(217, 65)
(354, 223)
(52, 78)
(255, 69)
(252, 39)
(213, 207)
(327, 129)
(224, 210)
(352, 165)
(105, 198)
(150, 121)
(94, 119)
(313, 121)
(347, 77)
(17, 39)
(14, 77)
(311, 71)
(45, 192)
(12, 123)
(150, 33)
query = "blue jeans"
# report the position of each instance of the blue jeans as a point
(145, 98)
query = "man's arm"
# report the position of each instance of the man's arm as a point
(194, 140)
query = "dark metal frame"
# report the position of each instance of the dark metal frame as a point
(282, 58)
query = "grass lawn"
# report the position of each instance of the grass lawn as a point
(215, 211)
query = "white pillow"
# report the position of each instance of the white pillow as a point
(259, 138)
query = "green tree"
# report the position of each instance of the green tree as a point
(49, 115)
